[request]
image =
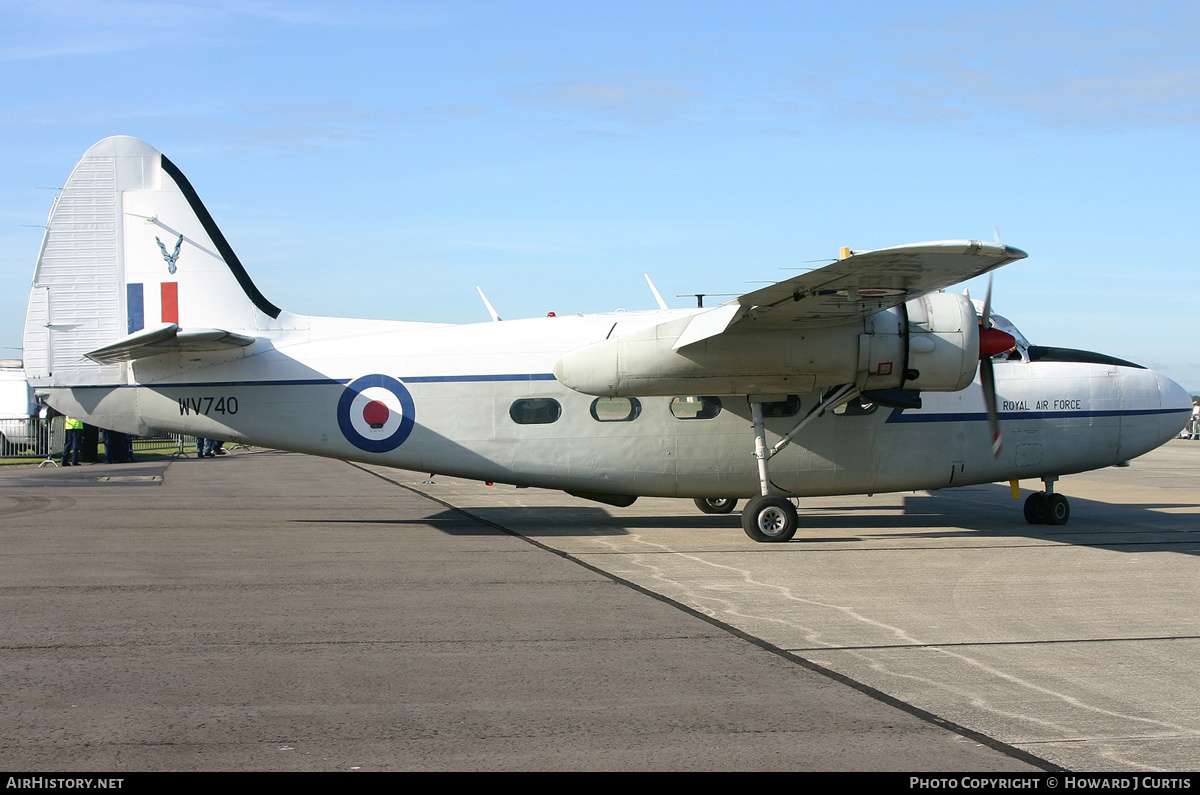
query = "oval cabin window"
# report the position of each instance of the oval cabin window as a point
(535, 411)
(616, 409)
(695, 408)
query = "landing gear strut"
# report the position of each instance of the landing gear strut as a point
(766, 518)
(1047, 507)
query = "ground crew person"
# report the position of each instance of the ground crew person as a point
(74, 431)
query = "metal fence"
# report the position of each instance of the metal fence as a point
(39, 439)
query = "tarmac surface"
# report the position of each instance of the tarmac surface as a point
(272, 611)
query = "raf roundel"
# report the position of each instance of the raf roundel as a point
(375, 413)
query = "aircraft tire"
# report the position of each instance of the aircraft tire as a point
(1036, 511)
(1058, 509)
(716, 504)
(769, 520)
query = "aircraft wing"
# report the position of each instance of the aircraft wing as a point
(167, 338)
(861, 284)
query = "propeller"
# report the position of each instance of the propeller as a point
(992, 341)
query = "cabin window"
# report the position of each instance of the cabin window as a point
(535, 411)
(616, 409)
(782, 408)
(855, 407)
(695, 408)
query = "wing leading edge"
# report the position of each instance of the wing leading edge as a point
(861, 284)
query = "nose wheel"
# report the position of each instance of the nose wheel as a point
(1047, 507)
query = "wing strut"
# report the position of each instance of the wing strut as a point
(832, 399)
(767, 517)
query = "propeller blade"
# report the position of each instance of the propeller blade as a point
(987, 378)
(992, 341)
(986, 320)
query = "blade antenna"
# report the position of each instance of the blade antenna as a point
(657, 296)
(491, 309)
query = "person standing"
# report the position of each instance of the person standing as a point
(208, 448)
(73, 435)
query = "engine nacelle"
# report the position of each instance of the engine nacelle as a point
(930, 343)
(943, 343)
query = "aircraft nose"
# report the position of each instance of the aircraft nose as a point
(1176, 406)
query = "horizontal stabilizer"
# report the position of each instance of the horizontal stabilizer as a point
(167, 338)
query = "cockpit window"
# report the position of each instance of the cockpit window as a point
(855, 408)
(788, 407)
(1041, 353)
(1004, 324)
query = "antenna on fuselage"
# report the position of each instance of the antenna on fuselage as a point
(491, 309)
(657, 295)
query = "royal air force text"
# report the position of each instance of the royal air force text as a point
(1058, 404)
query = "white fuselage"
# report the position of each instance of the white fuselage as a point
(286, 391)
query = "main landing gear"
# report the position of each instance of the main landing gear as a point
(766, 518)
(770, 519)
(1047, 507)
(715, 504)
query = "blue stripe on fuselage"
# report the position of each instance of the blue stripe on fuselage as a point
(898, 415)
(420, 379)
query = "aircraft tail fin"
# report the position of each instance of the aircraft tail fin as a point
(129, 249)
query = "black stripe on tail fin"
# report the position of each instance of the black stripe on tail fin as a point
(223, 248)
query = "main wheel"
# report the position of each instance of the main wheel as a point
(1035, 508)
(1058, 509)
(715, 504)
(769, 519)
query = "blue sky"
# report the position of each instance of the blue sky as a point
(379, 159)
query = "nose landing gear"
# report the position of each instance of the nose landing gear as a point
(1047, 507)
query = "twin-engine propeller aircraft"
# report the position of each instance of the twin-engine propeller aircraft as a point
(853, 378)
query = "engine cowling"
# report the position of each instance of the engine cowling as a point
(930, 343)
(943, 342)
